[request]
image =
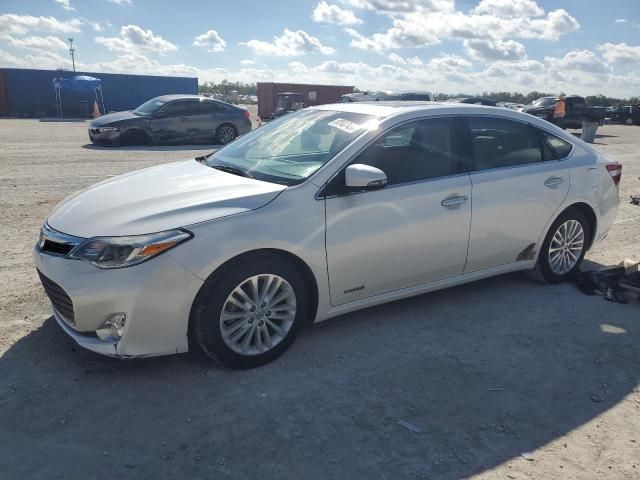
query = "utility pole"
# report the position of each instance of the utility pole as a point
(72, 52)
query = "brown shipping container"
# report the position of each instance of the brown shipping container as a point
(313, 94)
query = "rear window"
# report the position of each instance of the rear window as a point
(499, 142)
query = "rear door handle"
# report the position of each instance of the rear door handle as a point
(553, 182)
(453, 202)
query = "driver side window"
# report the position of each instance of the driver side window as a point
(414, 151)
(175, 109)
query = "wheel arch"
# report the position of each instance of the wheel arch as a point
(310, 280)
(137, 130)
(589, 214)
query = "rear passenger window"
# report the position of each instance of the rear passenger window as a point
(559, 147)
(415, 151)
(499, 142)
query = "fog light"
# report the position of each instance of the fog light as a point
(113, 328)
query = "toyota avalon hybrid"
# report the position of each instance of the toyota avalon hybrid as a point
(322, 212)
(172, 119)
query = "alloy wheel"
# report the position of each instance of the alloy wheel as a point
(258, 314)
(566, 247)
(226, 135)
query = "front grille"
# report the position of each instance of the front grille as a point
(59, 298)
(57, 248)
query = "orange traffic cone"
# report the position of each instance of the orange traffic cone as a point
(96, 109)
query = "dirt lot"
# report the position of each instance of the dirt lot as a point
(502, 378)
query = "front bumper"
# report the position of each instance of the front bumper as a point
(156, 296)
(96, 136)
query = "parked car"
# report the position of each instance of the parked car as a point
(406, 95)
(511, 106)
(576, 111)
(475, 101)
(359, 97)
(319, 213)
(172, 119)
(627, 114)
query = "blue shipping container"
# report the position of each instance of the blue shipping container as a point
(30, 92)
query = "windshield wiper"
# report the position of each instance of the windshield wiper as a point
(232, 170)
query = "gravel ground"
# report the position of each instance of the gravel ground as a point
(502, 378)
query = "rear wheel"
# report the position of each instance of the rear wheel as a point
(225, 134)
(563, 248)
(629, 121)
(249, 314)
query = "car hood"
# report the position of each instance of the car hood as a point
(114, 118)
(159, 198)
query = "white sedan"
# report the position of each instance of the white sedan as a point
(322, 212)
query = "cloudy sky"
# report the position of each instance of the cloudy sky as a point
(439, 45)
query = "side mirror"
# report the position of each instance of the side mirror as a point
(160, 114)
(364, 176)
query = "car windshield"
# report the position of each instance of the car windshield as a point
(290, 149)
(149, 108)
(544, 102)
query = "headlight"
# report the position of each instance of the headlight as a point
(107, 129)
(118, 252)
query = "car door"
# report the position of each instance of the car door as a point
(517, 187)
(413, 231)
(206, 117)
(172, 123)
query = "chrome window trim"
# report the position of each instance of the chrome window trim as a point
(318, 195)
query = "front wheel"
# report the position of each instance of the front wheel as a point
(563, 248)
(629, 121)
(249, 314)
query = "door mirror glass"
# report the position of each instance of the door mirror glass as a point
(364, 176)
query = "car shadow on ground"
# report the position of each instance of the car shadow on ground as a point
(481, 373)
(153, 148)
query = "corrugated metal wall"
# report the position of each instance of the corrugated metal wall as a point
(30, 92)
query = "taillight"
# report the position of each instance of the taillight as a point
(615, 170)
(247, 114)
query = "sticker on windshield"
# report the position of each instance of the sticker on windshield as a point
(344, 125)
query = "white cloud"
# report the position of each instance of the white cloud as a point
(210, 40)
(509, 8)
(395, 58)
(497, 21)
(578, 61)
(247, 61)
(135, 38)
(122, 2)
(404, 6)
(289, 44)
(66, 4)
(34, 42)
(325, 13)
(45, 60)
(490, 50)
(621, 20)
(22, 24)
(620, 53)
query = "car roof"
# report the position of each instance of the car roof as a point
(183, 96)
(384, 109)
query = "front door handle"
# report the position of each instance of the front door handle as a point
(454, 201)
(553, 182)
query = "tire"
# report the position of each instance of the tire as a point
(226, 133)
(629, 121)
(214, 300)
(560, 266)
